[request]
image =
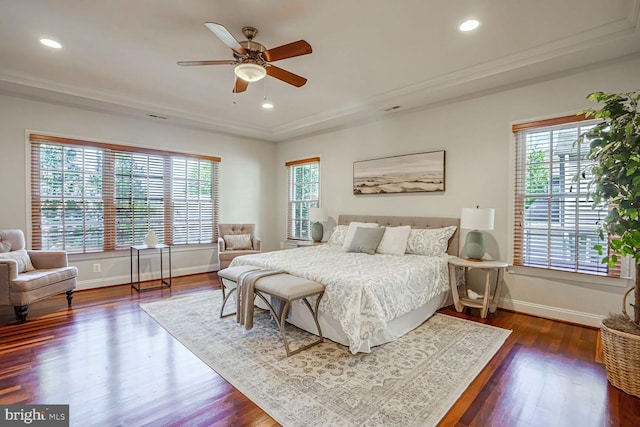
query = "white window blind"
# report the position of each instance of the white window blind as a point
(303, 191)
(555, 226)
(195, 208)
(94, 197)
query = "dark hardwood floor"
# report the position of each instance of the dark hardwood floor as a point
(115, 366)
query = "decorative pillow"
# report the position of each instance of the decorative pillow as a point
(337, 235)
(429, 241)
(236, 242)
(352, 231)
(394, 240)
(21, 257)
(366, 240)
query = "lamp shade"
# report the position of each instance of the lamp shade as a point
(318, 214)
(250, 72)
(477, 219)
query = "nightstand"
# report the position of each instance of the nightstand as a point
(487, 303)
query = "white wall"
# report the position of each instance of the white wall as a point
(476, 135)
(247, 179)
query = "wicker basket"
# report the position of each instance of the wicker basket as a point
(622, 356)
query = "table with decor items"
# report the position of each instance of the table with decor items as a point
(164, 283)
(494, 275)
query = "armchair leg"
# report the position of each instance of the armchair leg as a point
(69, 297)
(21, 312)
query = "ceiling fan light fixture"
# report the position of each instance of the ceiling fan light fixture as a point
(250, 72)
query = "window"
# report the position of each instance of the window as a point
(555, 226)
(94, 197)
(304, 194)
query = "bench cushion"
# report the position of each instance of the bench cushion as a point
(287, 287)
(233, 273)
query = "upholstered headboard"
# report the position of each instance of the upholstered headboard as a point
(413, 221)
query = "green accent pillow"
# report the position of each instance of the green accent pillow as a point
(366, 240)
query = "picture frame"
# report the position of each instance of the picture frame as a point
(409, 173)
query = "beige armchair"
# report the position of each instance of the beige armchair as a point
(235, 240)
(29, 276)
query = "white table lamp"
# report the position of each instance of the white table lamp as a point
(476, 219)
(318, 215)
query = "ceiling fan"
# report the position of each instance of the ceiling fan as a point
(252, 60)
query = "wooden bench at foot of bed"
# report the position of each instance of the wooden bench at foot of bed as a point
(282, 286)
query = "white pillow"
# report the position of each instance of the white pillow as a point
(394, 240)
(429, 241)
(237, 241)
(21, 257)
(352, 231)
(337, 235)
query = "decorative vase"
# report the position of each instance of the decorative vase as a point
(151, 240)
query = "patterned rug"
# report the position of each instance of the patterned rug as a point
(411, 381)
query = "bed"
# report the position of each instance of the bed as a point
(369, 299)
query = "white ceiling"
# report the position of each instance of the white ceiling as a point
(120, 55)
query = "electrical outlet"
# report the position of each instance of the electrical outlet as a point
(97, 268)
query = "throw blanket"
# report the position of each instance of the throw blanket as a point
(244, 299)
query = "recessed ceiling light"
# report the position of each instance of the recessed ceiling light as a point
(51, 43)
(469, 25)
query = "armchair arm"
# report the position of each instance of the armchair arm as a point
(8, 271)
(257, 243)
(48, 259)
(221, 245)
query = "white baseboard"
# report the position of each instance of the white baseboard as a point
(126, 278)
(550, 312)
(540, 310)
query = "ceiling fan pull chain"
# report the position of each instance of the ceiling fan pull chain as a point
(235, 93)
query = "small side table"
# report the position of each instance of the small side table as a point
(138, 248)
(488, 303)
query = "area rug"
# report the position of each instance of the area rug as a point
(411, 381)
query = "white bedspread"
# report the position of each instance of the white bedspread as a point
(363, 292)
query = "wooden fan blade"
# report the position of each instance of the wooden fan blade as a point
(214, 62)
(227, 38)
(240, 85)
(286, 76)
(285, 51)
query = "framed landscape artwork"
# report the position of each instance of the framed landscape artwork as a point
(411, 173)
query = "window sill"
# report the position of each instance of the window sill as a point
(124, 253)
(573, 278)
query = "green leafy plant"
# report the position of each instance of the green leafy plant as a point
(615, 175)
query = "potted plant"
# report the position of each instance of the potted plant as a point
(615, 180)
